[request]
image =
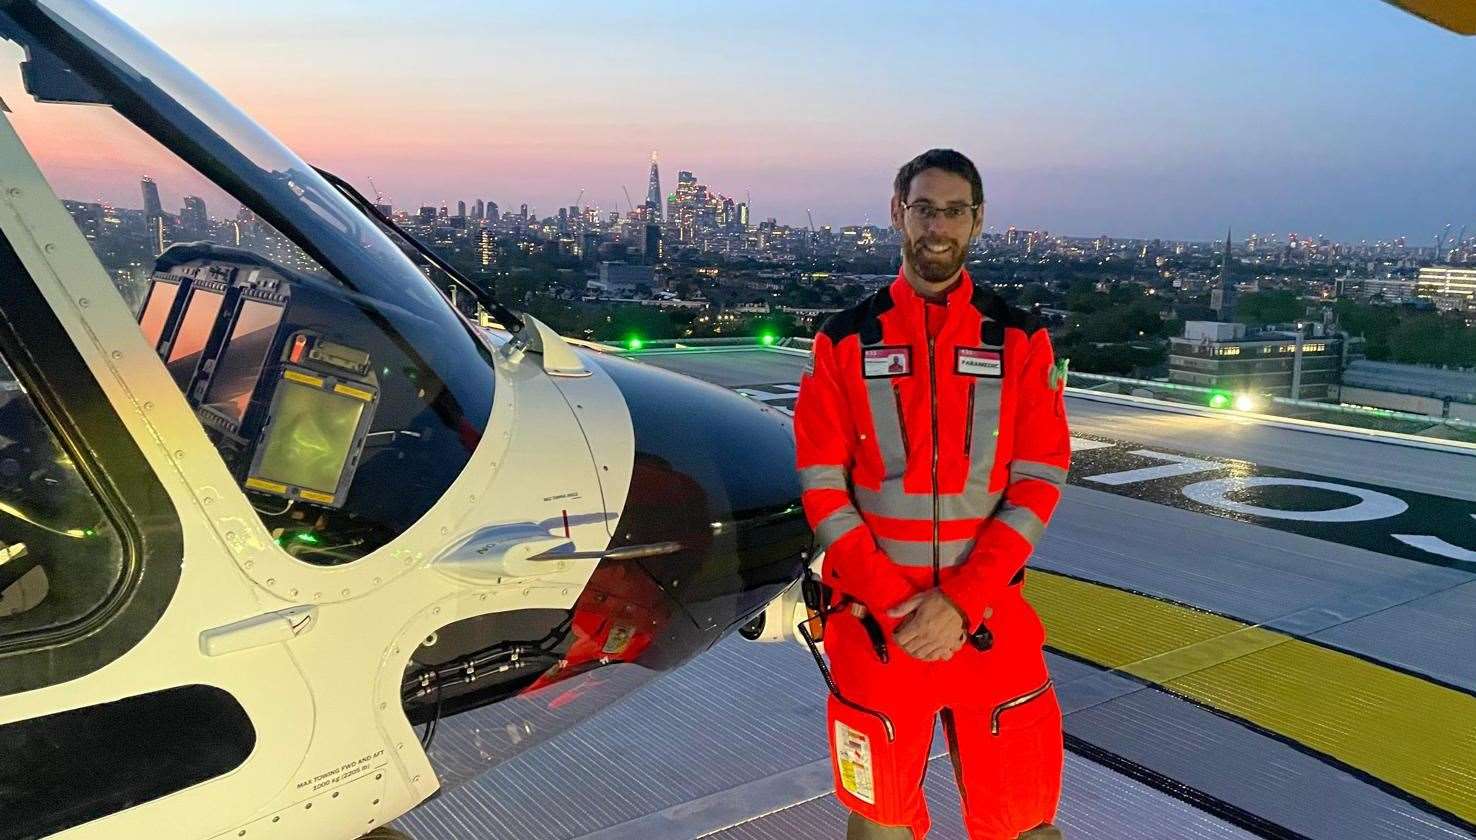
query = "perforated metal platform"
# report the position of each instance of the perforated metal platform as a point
(1232, 663)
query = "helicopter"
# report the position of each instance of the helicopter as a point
(271, 508)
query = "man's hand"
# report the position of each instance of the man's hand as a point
(932, 627)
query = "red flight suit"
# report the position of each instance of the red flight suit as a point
(934, 458)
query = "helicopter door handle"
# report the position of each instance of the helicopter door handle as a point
(502, 551)
(269, 628)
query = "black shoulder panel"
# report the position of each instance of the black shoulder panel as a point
(863, 318)
(997, 312)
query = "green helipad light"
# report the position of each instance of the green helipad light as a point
(1219, 400)
(634, 342)
(767, 338)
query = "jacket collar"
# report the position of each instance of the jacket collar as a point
(908, 301)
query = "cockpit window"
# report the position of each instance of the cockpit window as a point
(60, 556)
(340, 387)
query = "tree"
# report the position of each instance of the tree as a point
(645, 322)
(1424, 340)
(1273, 307)
(1034, 293)
(1374, 323)
(1124, 293)
(1083, 297)
(778, 324)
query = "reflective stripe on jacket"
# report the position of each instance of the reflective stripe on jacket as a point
(930, 452)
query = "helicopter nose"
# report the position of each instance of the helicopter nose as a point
(714, 472)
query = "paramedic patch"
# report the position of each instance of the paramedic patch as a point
(882, 362)
(979, 361)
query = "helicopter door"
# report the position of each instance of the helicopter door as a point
(112, 692)
(261, 464)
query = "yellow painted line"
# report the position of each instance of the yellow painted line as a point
(1411, 733)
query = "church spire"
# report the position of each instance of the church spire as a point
(1222, 296)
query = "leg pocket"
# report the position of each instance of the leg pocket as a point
(1009, 764)
(877, 763)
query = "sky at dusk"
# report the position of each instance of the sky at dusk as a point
(1144, 118)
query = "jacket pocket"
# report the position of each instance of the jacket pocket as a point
(1026, 708)
(969, 422)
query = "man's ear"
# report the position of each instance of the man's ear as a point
(897, 212)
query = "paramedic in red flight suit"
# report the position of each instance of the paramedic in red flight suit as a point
(932, 448)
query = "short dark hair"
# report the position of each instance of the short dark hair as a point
(947, 160)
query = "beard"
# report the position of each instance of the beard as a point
(935, 267)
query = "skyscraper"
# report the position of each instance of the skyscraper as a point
(193, 220)
(461, 209)
(152, 205)
(651, 250)
(487, 247)
(493, 214)
(653, 192)
(479, 209)
(1222, 296)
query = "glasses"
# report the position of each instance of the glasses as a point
(922, 211)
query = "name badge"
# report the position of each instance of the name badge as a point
(977, 361)
(882, 362)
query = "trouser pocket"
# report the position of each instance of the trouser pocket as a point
(1021, 710)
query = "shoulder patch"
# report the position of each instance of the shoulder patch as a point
(996, 311)
(863, 318)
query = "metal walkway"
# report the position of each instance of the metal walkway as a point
(1257, 630)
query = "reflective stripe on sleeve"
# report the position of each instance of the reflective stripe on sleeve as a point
(1023, 520)
(823, 477)
(1035, 469)
(839, 523)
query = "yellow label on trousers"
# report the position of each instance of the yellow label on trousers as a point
(853, 757)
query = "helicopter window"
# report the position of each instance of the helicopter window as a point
(60, 557)
(340, 388)
(243, 359)
(187, 343)
(156, 311)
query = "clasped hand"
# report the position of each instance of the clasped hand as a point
(932, 628)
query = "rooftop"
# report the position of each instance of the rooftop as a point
(1232, 601)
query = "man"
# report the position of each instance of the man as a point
(932, 447)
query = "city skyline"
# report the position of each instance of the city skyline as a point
(1134, 119)
(157, 197)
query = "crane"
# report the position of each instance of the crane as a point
(628, 202)
(579, 199)
(1440, 241)
(811, 218)
(378, 196)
